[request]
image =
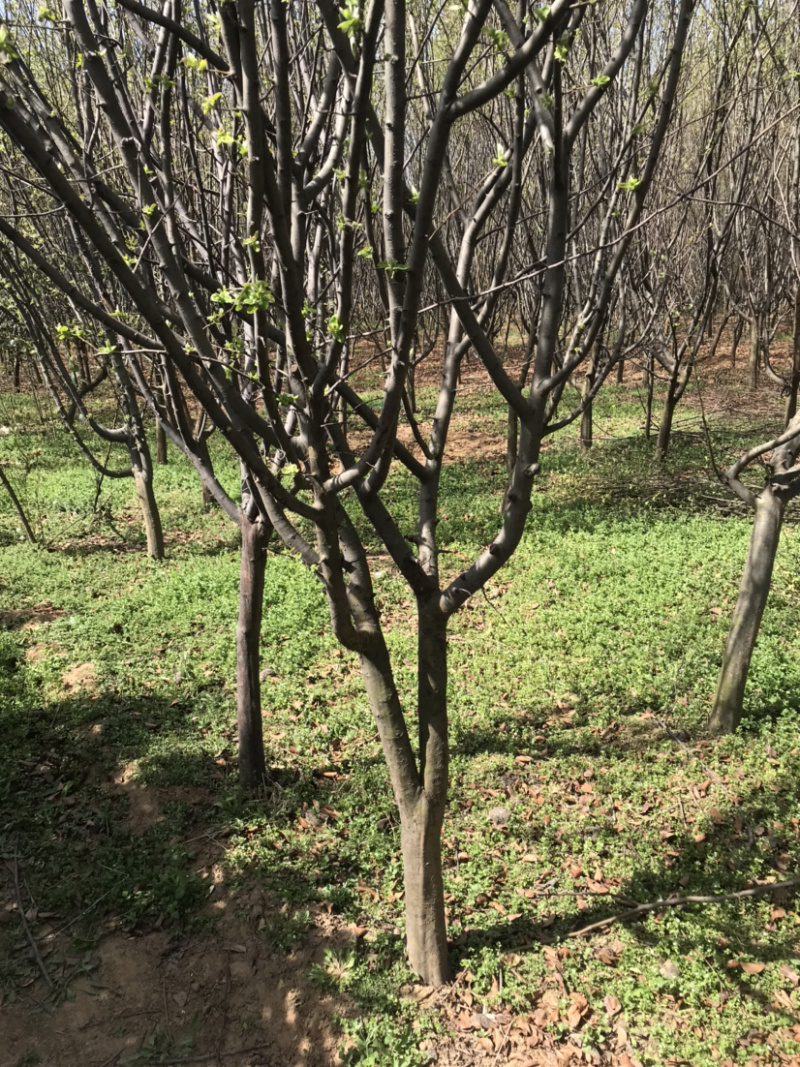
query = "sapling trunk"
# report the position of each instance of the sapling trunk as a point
(586, 414)
(667, 417)
(794, 381)
(753, 591)
(26, 526)
(248, 660)
(161, 445)
(738, 330)
(152, 520)
(755, 351)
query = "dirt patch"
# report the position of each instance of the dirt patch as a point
(40, 651)
(146, 802)
(29, 618)
(82, 677)
(228, 997)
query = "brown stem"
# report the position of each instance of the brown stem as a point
(248, 661)
(727, 709)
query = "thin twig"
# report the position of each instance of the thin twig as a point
(677, 902)
(21, 909)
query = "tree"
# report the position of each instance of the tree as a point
(236, 200)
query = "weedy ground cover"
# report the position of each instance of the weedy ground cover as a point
(582, 782)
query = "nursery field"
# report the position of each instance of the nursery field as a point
(614, 878)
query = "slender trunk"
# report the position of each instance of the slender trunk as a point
(161, 445)
(755, 351)
(152, 519)
(512, 435)
(207, 496)
(727, 709)
(667, 415)
(649, 375)
(411, 386)
(17, 368)
(586, 414)
(421, 821)
(738, 330)
(26, 526)
(248, 660)
(794, 381)
(620, 371)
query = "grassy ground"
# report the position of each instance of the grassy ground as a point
(582, 782)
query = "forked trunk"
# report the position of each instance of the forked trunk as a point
(152, 519)
(753, 591)
(248, 660)
(426, 932)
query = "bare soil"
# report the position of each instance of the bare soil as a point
(221, 997)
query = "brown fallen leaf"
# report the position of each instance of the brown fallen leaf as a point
(607, 954)
(577, 1009)
(790, 975)
(753, 968)
(612, 1005)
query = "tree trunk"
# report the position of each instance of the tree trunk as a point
(753, 591)
(248, 659)
(512, 435)
(161, 445)
(620, 371)
(411, 386)
(649, 376)
(738, 330)
(755, 352)
(152, 519)
(421, 821)
(586, 414)
(420, 791)
(26, 526)
(794, 381)
(667, 415)
(202, 450)
(426, 931)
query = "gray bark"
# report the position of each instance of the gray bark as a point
(152, 520)
(248, 659)
(726, 712)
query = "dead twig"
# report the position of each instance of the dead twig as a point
(31, 940)
(677, 902)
